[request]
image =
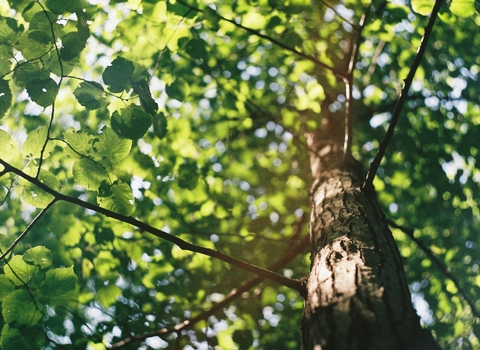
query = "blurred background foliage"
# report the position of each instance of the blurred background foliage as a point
(223, 160)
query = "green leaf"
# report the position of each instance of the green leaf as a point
(196, 48)
(40, 27)
(422, 7)
(42, 91)
(90, 95)
(211, 18)
(72, 44)
(79, 144)
(5, 60)
(178, 90)
(10, 31)
(117, 197)
(5, 97)
(142, 89)
(463, 8)
(6, 287)
(160, 125)
(28, 71)
(19, 307)
(37, 197)
(59, 285)
(32, 147)
(117, 76)
(10, 152)
(39, 255)
(112, 146)
(32, 49)
(188, 175)
(132, 123)
(107, 295)
(15, 339)
(89, 174)
(62, 6)
(22, 272)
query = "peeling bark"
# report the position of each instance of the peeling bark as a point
(357, 295)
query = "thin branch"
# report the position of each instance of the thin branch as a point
(182, 244)
(29, 227)
(331, 7)
(289, 255)
(373, 64)
(410, 233)
(52, 115)
(347, 146)
(272, 40)
(403, 96)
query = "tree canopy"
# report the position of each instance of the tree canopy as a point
(155, 171)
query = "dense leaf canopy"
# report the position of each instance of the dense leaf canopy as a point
(146, 143)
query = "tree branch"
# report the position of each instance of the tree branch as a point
(403, 96)
(272, 40)
(182, 244)
(347, 146)
(410, 233)
(29, 227)
(289, 255)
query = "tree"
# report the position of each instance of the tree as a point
(160, 160)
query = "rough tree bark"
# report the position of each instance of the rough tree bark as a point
(357, 295)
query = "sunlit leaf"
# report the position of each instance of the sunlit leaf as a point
(116, 197)
(6, 287)
(108, 295)
(463, 8)
(112, 146)
(59, 285)
(88, 173)
(19, 307)
(9, 147)
(37, 197)
(35, 142)
(422, 7)
(40, 256)
(79, 144)
(18, 271)
(90, 95)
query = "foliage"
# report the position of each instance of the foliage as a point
(189, 118)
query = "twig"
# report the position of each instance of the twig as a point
(403, 96)
(273, 41)
(331, 7)
(409, 232)
(182, 244)
(290, 254)
(347, 146)
(29, 227)
(52, 115)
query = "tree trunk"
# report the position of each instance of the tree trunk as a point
(357, 294)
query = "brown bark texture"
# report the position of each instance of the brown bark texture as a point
(357, 295)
